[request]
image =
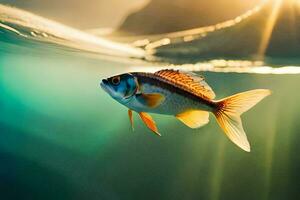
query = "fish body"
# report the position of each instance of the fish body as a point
(184, 95)
(175, 101)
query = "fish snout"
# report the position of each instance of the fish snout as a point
(104, 84)
(104, 81)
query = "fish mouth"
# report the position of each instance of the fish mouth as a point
(104, 85)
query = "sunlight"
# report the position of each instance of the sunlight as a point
(276, 7)
(269, 27)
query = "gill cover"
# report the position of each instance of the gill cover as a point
(124, 86)
(132, 86)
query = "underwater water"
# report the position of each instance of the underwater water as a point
(63, 137)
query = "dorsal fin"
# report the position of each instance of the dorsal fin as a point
(187, 81)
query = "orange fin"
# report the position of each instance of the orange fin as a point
(187, 81)
(130, 118)
(229, 111)
(147, 119)
(152, 100)
(194, 118)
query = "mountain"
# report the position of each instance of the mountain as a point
(163, 16)
(273, 30)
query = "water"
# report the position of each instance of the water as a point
(62, 137)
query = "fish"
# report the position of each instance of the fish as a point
(186, 96)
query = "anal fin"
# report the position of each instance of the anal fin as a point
(194, 118)
(147, 119)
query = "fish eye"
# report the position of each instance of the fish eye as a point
(115, 80)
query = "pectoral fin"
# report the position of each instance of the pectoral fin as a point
(130, 118)
(147, 119)
(193, 118)
(152, 100)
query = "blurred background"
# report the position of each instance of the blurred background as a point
(62, 137)
(129, 14)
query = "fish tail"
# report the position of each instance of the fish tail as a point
(229, 110)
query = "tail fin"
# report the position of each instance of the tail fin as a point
(229, 110)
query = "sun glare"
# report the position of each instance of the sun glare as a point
(272, 18)
(271, 21)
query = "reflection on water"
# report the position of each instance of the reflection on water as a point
(154, 42)
(57, 123)
(225, 66)
(32, 27)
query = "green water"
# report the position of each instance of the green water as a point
(62, 137)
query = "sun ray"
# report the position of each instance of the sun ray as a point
(271, 21)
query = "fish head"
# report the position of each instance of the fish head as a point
(121, 87)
